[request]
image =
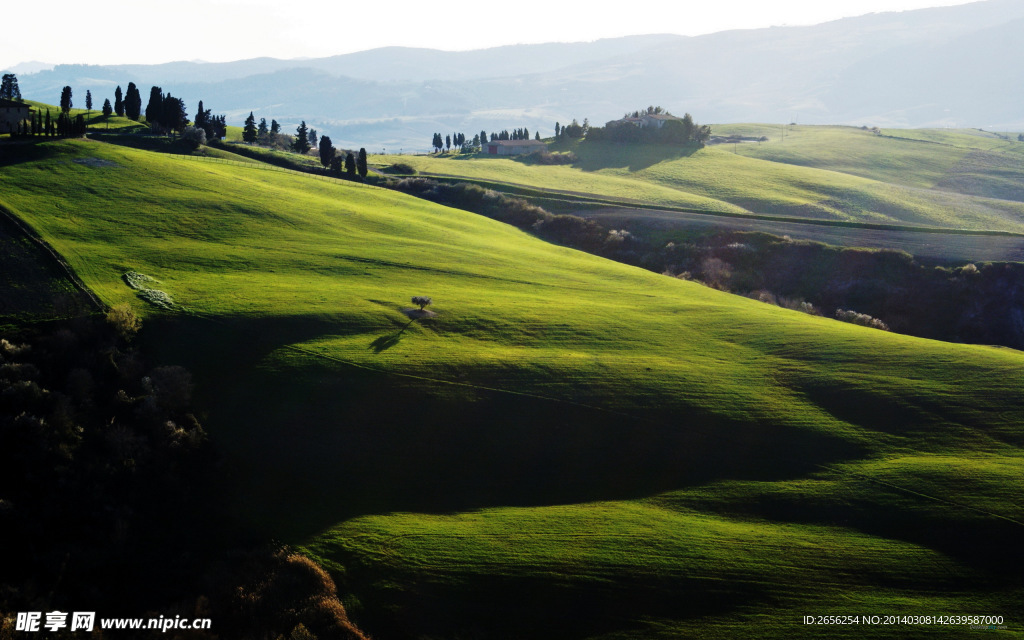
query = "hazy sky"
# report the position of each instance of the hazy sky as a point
(223, 30)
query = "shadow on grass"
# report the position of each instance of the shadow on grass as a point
(384, 343)
(635, 157)
(21, 150)
(309, 442)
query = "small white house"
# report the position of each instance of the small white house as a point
(513, 147)
(11, 115)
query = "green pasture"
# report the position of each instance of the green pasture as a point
(964, 161)
(571, 447)
(823, 173)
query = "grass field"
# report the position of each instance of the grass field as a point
(925, 178)
(571, 448)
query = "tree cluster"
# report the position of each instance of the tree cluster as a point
(448, 141)
(110, 446)
(515, 134)
(165, 113)
(266, 135)
(572, 131)
(681, 131)
(213, 127)
(108, 496)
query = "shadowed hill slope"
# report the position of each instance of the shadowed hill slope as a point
(569, 438)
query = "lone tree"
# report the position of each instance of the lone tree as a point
(422, 301)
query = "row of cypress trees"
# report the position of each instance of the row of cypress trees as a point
(63, 126)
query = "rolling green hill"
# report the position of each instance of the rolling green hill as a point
(818, 173)
(571, 447)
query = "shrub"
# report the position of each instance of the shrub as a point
(716, 272)
(194, 137)
(547, 158)
(862, 319)
(401, 168)
(124, 320)
(422, 301)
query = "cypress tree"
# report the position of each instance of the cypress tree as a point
(133, 102)
(326, 151)
(350, 165)
(312, 137)
(361, 163)
(156, 102)
(88, 100)
(107, 109)
(301, 143)
(261, 130)
(274, 126)
(118, 101)
(65, 100)
(249, 130)
(202, 118)
(483, 137)
(206, 121)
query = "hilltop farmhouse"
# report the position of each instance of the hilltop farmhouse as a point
(11, 115)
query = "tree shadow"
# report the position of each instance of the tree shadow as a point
(384, 343)
(635, 157)
(29, 149)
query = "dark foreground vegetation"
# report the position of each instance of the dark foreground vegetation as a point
(973, 303)
(109, 497)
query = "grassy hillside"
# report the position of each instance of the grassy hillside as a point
(95, 120)
(968, 162)
(820, 173)
(571, 447)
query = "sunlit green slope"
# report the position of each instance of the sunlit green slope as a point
(968, 162)
(571, 447)
(821, 173)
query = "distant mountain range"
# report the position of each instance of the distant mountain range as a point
(951, 66)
